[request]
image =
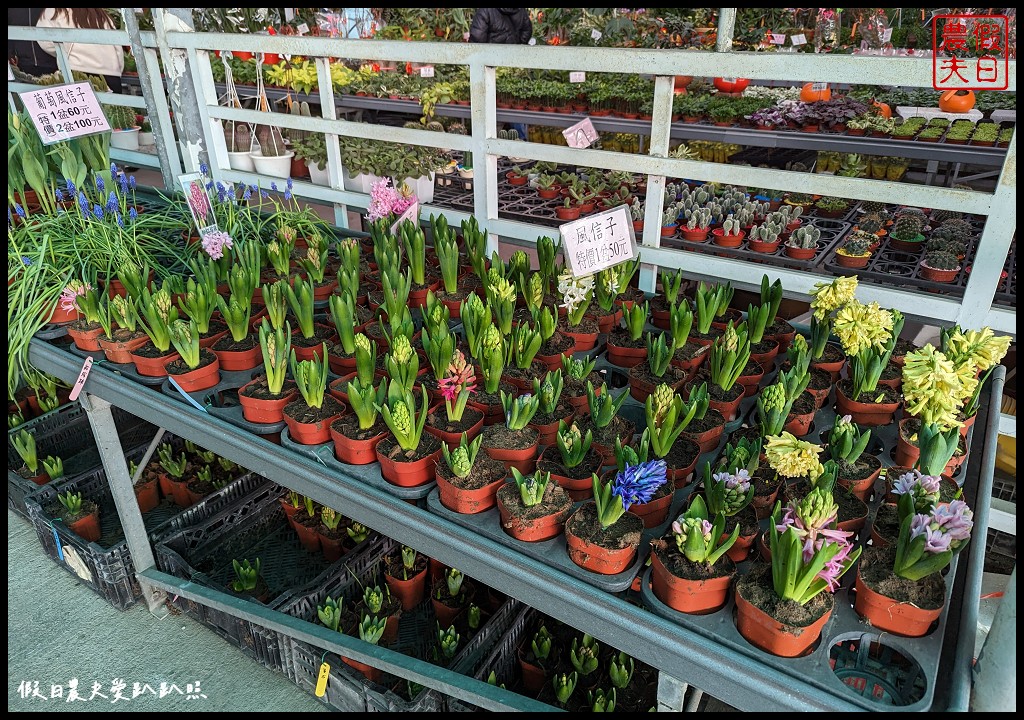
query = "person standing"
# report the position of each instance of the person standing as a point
(105, 60)
(26, 55)
(507, 26)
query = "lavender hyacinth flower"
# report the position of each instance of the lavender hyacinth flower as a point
(955, 519)
(637, 484)
(927, 542)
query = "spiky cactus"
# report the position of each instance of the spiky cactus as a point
(939, 260)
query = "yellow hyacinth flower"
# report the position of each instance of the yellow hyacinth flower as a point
(830, 297)
(791, 457)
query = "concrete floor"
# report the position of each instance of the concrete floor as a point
(58, 631)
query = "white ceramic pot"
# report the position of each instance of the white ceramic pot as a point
(319, 176)
(146, 138)
(241, 161)
(425, 188)
(279, 166)
(352, 183)
(127, 139)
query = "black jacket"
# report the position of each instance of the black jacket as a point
(30, 57)
(508, 26)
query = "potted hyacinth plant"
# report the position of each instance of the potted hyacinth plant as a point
(309, 417)
(532, 508)
(847, 446)
(157, 315)
(603, 536)
(668, 415)
(900, 588)
(468, 481)
(408, 457)
(929, 437)
(656, 369)
(626, 347)
(456, 386)
(513, 442)
(263, 398)
(729, 360)
(577, 294)
(369, 366)
(487, 346)
(239, 349)
(868, 336)
(571, 461)
(692, 571)
(405, 573)
(604, 419)
(826, 300)
(687, 355)
(910, 486)
(654, 511)
(974, 353)
(551, 411)
(782, 607)
(197, 368)
(356, 435)
(452, 595)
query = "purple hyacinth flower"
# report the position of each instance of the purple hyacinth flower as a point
(919, 525)
(111, 202)
(204, 168)
(955, 519)
(936, 541)
(97, 211)
(638, 483)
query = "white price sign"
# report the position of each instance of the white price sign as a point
(778, 38)
(533, 41)
(819, 86)
(599, 241)
(303, 29)
(62, 112)
(887, 35)
(581, 135)
(596, 35)
(577, 76)
(800, 39)
(427, 71)
(412, 214)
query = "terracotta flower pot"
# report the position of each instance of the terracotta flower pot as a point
(259, 410)
(763, 631)
(202, 378)
(87, 340)
(584, 341)
(371, 673)
(355, 452)
(535, 529)
(553, 362)
(800, 253)
(315, 433)
(695, 597)
(709, 439)
(121, 352)
(467, 502)
(408, 474)
(766, 359)
(154, 367)
(238, 360)
(872, 414)
(88, 527)
(147, 495)
(452, 439)
(596, 558)
(799, 425)
(308, 536)
(695, 235)
(410, 592)
(833, 368)
(727, 241)
(762, 246)
(607, 323)
(889, 615)
(625, 357)
(668, 230)
(546, 433)
(524, 460)
(862, 488)
(751, 382)
(728, 409)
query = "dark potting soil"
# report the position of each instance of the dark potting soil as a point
(887, 522)
(178, 367)
(520, 316)
(619, 427)
(499, 436)
(752, 368)
(903, 346)
(888, 395)
(149, 351)
(682, 454)
(394, 567)
(689, 351)
(574, 387)
(632, 294)
(363, 313)
(598, 312)
(306, 520)
(623, 533)
(486, 470)
(556, 344)
(439, 420)
(348, 425)
(200, 487)
(717, 394)
(123, 335)
(536, 371)
(587, 325)
(765, 483)
(466, 595)
(458, 296)
(562, 411)
(299, 411)
(678, 564)
(712, 334)
(831, 354)
(390, 448)
(321, 335)
(747, 520)
(756, 588)
(762, 347)
(228, 343)
(151, 473)
(865, 465)
(779, 327)
(338, 533)
(712, 419)
(83, 325)
(659, 303)
(803, 405)
(673, 376)
(482, 397)
(619, 337)
(551, 461)
(427, 379)
(28, 474)
(928, 593)
(88, 508)
(216, 326)
(820, 379)
(892, 371)
(375, 298)
(259, 389)
(555, 501)
(469, 283)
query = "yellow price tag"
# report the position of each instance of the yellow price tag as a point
(321, 680)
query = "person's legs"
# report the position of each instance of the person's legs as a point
(113, 82)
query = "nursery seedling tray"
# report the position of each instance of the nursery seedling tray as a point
(216, 401)
(369, 474)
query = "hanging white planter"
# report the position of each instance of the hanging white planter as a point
(126, 139)
(241, 161)
(278, 166)
(319, 175)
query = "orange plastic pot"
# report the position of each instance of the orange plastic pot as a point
(88, 527)
(408, 474)
(87, 340)
(695, 597)
(121, 352)
(889, 615)
(258, 410)
(781, 639)
(596, 558)
(956, 101)
(468, 502)
(202, 378)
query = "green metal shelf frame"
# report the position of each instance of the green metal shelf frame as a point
(612, 620)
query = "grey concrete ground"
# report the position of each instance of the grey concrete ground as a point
(59, 631)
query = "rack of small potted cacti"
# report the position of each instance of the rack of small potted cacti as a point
(77, 523)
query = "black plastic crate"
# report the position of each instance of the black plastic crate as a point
(65, 433)
(254, 527)
(106, 566)
(348, 689)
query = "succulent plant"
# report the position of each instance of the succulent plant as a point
(804, 237)
(906, 229)
(856, 246)
(949, 245)
(941, 216)
(940, 260)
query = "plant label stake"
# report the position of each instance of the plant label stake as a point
(427, 71)
(56, 541)
(778, 38)
(599, 241)
(76, 390)
(176, 386)
(819, 86)
(62, 112)
(412, 214)
(199, 202)
(596, 35)
(798, 40)
(581, 135)
(321, 680)
(302, 29)
(577, 76)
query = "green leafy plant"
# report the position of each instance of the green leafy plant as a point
(25, 445)
(699, 540)
(461, 460)
(247, 575)
(311, 377)
(401, 416)
(531, 487)
(603, 407)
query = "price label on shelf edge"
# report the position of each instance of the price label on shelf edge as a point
(427, 71)
(599, 241)
(577, 76)
(800, 39)
(596, 35)
(819, 86)
(581, 135)
(303, 29)
(62, 112)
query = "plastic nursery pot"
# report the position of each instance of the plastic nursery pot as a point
(833, 368)
(695, 235)
(315, 433)
(59, 316)
(524, 460)
(87, 340)
(799, 425)
(625, 357)
(889, 615)
(939, 276)
(369, 672)
(534, 528)
(546, 433)
(709, 439)
(655, 512)
(783, 339)
(237, 360)
(174, 489)
(147, 495)
(452, 439)
(728, 408)
(766, 359)
(763, 504)
(121, 352)
(355, 452)
(287, 508)
(695, 597)
(209, 341)
(607, 323)
(332, 548)
(408, 474)
(88, 527)
(873, 414)
(410, 592)
(798, 253)
(534, 676)
(862, 488)
(668, 230)
(763, 631)
(728, 241)
(584, 341)
(467, 502)
(202, 378)
(154, 367)
(553, 362)
(761, 246)
(855, 262)
(260, 410)
(597, 558)
(740, 549)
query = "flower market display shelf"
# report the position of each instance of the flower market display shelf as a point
(222, 401)
(645, 635)
(106, 565)
(347, 688)
(65, 433)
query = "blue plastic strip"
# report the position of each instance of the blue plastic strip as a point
(184, 394)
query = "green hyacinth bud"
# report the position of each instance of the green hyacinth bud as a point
(461, 465)
(363, 342)
(664, 396)
(400, 414)
(401, 350)
(731, 341)
(817, 509)
(774, 397)
(492, 338)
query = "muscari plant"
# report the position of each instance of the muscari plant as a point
(531, 487)
(402, 418)
(461, 460)
(809, 555)
(519, 411)
(603, 407)
(668, 415)
(247, 575)
(700, 539)
(311, 377)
